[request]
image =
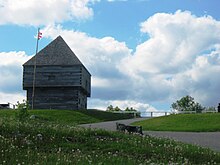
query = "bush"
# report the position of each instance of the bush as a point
(130, 109)
(22, 111)
(110, 108)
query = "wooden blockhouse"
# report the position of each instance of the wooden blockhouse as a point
(61, 80)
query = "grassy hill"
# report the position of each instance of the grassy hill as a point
(49, 140)
(70, 117)
(209, 122)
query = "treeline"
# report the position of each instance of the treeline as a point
(110, 108)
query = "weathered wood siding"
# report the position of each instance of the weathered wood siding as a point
(57, 98)
(58, 87)
(57, 76)
(47, 76)
(86, 81)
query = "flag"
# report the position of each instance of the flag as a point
(39, 36)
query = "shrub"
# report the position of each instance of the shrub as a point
(22, 111)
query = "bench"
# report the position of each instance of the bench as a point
(129, 128)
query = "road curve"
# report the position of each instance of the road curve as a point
(204, 139)
(111, 125)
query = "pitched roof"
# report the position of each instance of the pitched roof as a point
(56, 53)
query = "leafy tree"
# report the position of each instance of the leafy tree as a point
(117, 108)
(110, 108)
(130, 109)
(127, 109)
(187, 103)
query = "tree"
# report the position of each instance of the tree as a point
(117, 108)
(187, 103)
(127, 109)
(110, 108)
(210, 109)
(130, 109)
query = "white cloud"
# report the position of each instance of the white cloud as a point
(173, 62)
(41, 12)
(80, 9)
(12, 98)
(163, 68)
(143, 108)
(202, 79)
(101, 56)
(175, 41)
(11, 76)
(122, 104)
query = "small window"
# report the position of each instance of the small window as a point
(51, 77)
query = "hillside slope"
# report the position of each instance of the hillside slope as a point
(209, 122)
(70, 116)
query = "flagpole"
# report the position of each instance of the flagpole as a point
(35, 66)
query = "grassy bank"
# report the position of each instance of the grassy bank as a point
(39, 142)
(45, 140)
(209, 122)
(70, 117)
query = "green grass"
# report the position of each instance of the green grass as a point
(63, 143)
(209, 122)
(67, 145)
(70, 117)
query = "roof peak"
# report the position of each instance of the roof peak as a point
(56, 52)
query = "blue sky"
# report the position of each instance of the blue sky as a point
(143, 53)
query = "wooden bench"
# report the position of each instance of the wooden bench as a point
(129, 128)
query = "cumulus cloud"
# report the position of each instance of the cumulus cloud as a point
(12, 98)
(180, 57)
(175, 41)
(101, 56)
(41, 12)
(143, 108)
(122, 104)
(202, 79)
(11, 76)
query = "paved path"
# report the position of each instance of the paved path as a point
(111, 125)
(205, 139)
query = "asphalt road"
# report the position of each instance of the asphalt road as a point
(111, 125)
(204, 139)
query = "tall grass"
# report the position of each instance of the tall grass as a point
(70, 117)
(44, 142)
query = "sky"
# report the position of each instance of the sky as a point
(144, 54)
